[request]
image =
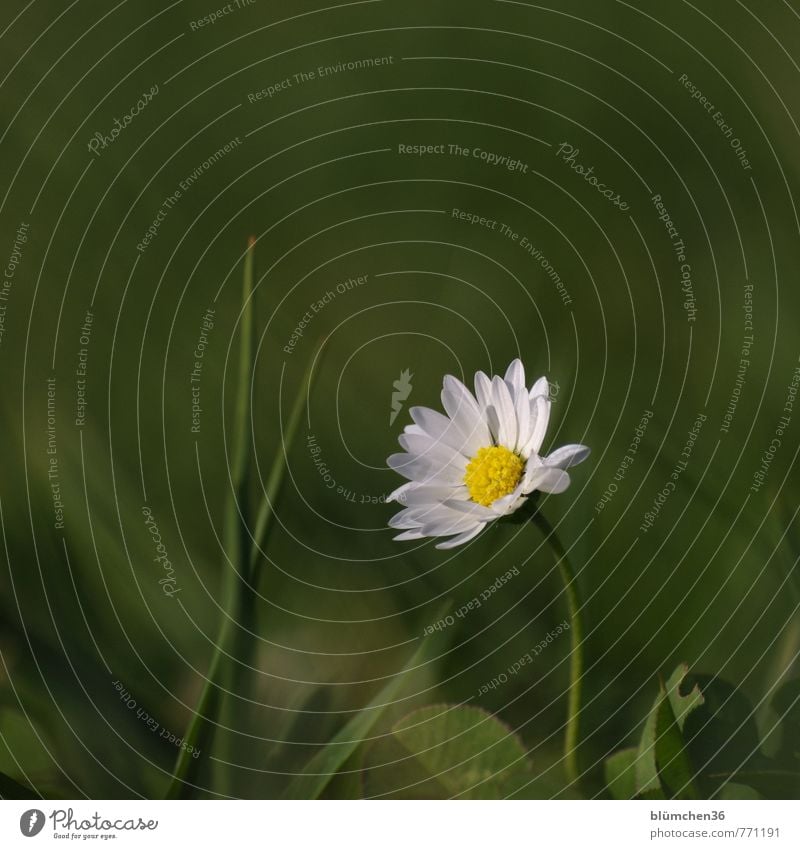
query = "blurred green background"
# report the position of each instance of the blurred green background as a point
(319, 180)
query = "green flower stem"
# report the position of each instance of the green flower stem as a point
(572, 735)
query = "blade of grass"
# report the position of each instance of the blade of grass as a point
(12, 789)
(202, 727)
(233, 639)
(244, 640)
(266, 513)
(237, 518)
(236, 529)
(322, 768)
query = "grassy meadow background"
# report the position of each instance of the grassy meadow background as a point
(315, 173)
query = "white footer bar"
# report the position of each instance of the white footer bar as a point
(389, 824)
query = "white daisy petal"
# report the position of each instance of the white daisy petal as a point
(557, 481)
(437, 426)
(402, 492)
(464, 396)
(446, 527)
(408, 535)
(431, 519)
(493, 420)
(460, 404)
(424, 470)
(460, 539)
(420, 495)
(511, 502)
(532, 470)
(540, 418)
(506, 416)
(541, 387)
(515, 377)
(404, 520)
(566, 456)
(470, 508)
(522, 409)
(483, 390)
(427, 447)
(547, 479)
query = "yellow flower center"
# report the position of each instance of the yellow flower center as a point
(492, 473)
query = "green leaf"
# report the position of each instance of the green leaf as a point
(675, 769)
(770, 783)
(661, 741)
(647, 780)
(735, 792)
(10, 789)
(729, 744)
(321, 769)
(700, 740)
(722, 736)
(684, 695)
(620, 773)
(447, 751)
(786, 703)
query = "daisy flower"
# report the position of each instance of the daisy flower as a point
(480, 461)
